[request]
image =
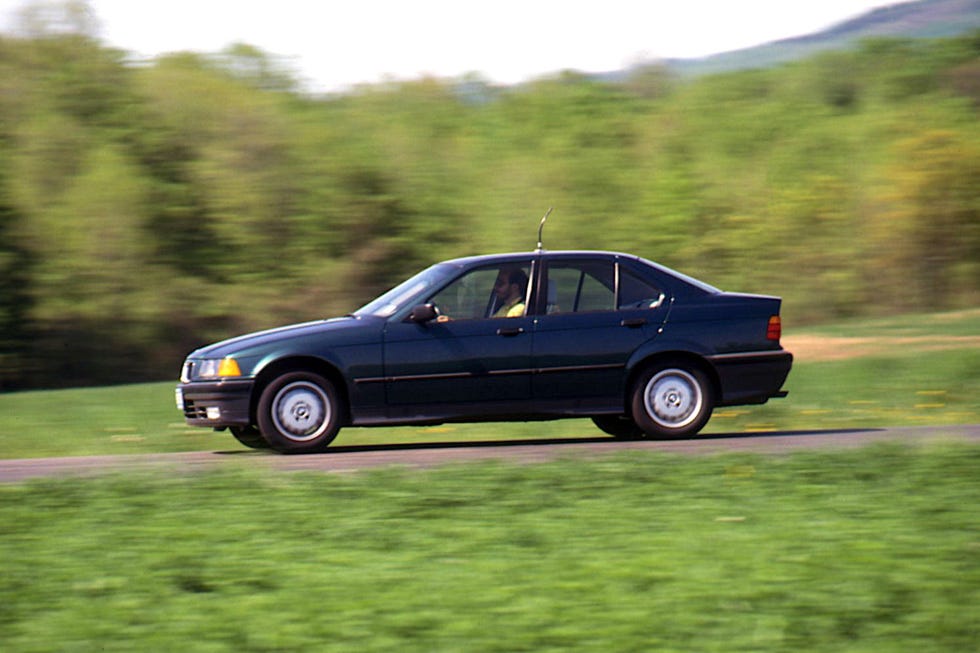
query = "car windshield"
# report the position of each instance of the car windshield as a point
(408, 292)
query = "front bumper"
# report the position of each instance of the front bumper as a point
(216, 404)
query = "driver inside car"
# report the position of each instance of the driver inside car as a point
(510, 287)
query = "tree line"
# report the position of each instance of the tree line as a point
(146, 209)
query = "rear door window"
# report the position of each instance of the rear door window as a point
(581, 287)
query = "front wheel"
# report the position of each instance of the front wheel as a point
(672, 402)
(299, 412)
(249, 436)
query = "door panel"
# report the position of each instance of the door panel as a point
(579, 356)
(452, 362)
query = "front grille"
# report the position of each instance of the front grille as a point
(194, 412)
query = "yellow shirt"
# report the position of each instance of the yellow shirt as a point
(515, 309)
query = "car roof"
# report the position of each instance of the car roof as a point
(490, 259)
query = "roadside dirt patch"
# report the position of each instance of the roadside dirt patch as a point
(830, 348)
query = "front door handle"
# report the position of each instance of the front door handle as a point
(510, 332)
(634, 322)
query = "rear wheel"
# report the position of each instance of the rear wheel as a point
(618, 426)
(672, 401)
(299, 412)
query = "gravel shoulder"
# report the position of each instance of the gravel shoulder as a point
(817, 348)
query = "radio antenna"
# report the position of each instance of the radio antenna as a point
(541, 227)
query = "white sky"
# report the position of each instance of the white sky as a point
(333, 45)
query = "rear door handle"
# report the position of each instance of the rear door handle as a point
(634, 322)
(510, 332)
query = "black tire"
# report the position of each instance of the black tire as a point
(618, 426)
(299, 412)
(249, 436)
(672, 401)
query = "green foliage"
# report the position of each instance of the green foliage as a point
(867, 550)
(147, 210)
(929, 220)
(15, 303)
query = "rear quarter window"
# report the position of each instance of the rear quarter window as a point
(635, 292)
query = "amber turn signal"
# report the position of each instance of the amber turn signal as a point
(229, 367)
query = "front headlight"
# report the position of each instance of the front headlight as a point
(215, 368)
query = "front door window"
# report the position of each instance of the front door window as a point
(498, 291)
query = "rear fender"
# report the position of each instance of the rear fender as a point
(679, 351)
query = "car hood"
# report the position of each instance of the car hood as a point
(346, 330)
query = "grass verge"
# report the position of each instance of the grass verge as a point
(868, 550)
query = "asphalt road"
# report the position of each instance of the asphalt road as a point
(342, 459)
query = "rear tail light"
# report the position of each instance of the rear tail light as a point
(775, 329)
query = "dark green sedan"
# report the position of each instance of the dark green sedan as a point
(641, 349)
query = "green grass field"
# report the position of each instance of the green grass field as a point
(869, 550)
(903, 371)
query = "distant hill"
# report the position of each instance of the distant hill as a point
(921, 19)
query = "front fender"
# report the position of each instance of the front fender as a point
(275, 358)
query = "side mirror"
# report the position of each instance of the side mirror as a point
(423, 313)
